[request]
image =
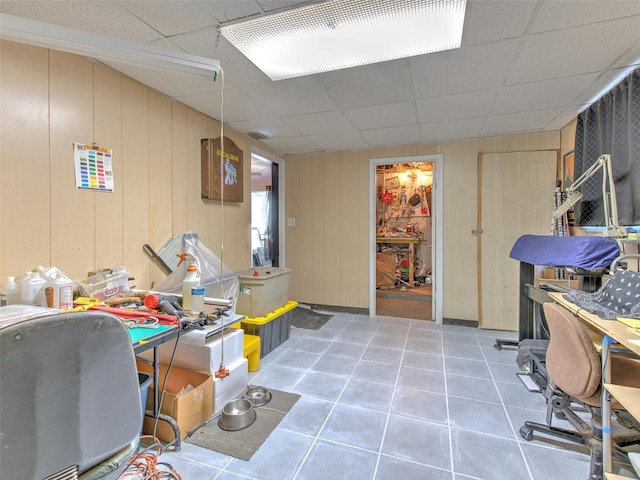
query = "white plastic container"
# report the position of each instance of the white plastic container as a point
(9, 293)
(32, 290)
(59, 292)
(262, 290)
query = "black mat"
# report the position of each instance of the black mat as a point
(243, 444)
(306, 318)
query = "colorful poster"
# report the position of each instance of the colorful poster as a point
(93, 167)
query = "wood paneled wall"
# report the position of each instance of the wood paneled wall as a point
(49, 100)
(328, 195)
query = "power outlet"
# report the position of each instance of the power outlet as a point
(291, 222)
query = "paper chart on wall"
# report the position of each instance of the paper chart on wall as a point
(93, 166)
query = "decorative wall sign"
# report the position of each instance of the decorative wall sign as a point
(221, 182)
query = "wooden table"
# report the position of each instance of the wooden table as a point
(411, 242)
(614, 332)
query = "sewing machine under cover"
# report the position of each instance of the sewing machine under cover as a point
(69, 396)
(585, 252)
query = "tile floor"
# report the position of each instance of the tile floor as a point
(394, 398)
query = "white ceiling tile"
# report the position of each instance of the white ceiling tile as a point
(459, 129)
(606, 81)
(466, 69)
(319, 123)
(270, 126)
(519, 122)
(289, 145)
(379, 116)
(340, 141)
(541, 95)
(292, 97)
(556, 15)
(171, 17)
(491, 20)
(575, 51)
(381, 82)
(454, 107)
(237, 105)
(630, 57)
(101, 17)
(392, 136)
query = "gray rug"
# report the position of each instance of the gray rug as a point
(307, 318)
(244, 443)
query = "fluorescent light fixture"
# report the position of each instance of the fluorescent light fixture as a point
(101, 47)
(339, 34)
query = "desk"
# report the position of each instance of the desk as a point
(614, 332)
(144, 339)
(411, 242)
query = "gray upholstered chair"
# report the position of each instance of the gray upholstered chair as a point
(69, 398)
(574, 368)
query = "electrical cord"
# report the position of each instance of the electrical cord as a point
(144, 465)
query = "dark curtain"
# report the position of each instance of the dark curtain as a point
(611, 125)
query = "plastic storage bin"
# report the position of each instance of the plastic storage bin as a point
(262, 293)
(273, 329)
(144, 379)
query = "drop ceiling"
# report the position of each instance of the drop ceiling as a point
(524, 66)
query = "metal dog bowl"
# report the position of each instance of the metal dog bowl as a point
(237, 414)
(258, 396)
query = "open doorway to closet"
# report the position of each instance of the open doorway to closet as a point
(265, 218)
(406, 204)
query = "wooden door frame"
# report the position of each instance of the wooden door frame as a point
(437, 261)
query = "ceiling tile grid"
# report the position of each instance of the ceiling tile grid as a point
(524, 66)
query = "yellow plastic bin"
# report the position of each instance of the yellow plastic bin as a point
(273, 329)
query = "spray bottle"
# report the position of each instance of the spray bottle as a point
(191, 279)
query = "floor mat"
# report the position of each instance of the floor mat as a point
(306, 318)
(243, 444)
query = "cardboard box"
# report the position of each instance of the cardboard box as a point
(188, 410)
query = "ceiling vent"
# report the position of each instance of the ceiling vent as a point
(257, 135)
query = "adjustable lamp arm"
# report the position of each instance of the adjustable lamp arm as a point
(610, 204)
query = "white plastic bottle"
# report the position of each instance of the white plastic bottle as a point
(23, 286)
(32, 292)
(191, 279)
(10, 293)
(61, 294)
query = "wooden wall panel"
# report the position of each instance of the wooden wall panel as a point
(347, 233)
(73, 215)
(178, 167)
(107, 132)
(135, 178)
(160, 211)
(308, 225)
(25, 237)
(294, 247)
(363, 228)
(332, 211)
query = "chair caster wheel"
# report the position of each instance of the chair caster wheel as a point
(497, 346)
(526, 433)
(560, 415)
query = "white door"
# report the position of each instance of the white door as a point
(516, 199)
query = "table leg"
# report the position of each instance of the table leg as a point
(606, 403)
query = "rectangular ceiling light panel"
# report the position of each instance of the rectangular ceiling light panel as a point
(101, 47)
(339, 34)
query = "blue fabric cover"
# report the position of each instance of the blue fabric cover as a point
(589, 253)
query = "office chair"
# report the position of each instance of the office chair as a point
(574, 368)
(70, 403)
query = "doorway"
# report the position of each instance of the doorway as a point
(267, 239)
(405, 232)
